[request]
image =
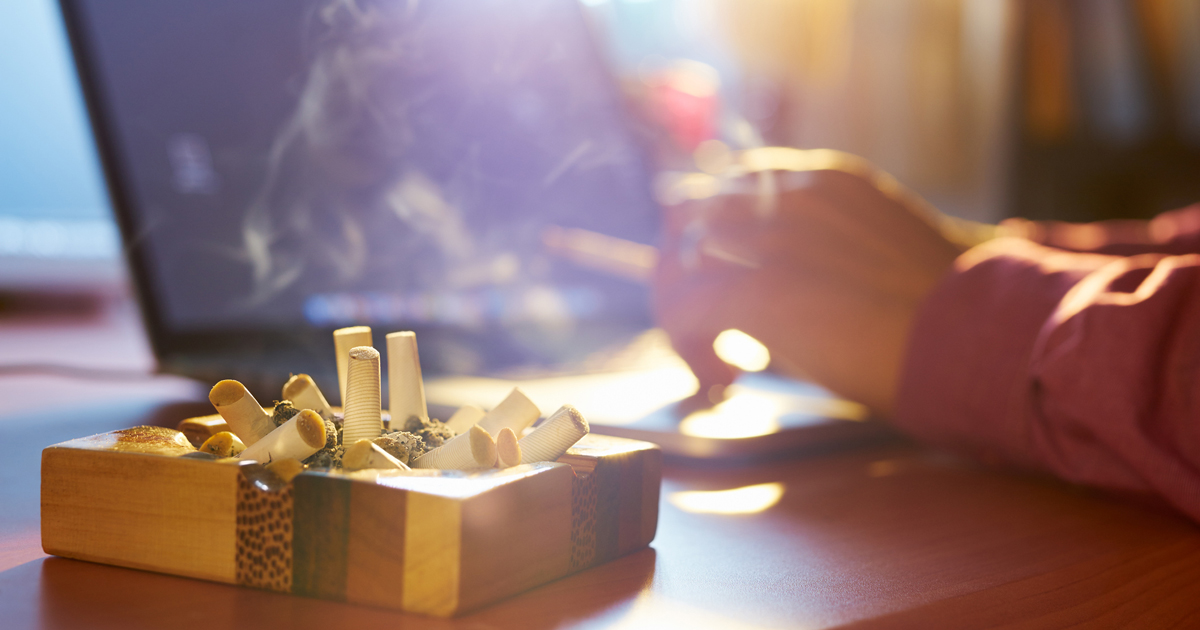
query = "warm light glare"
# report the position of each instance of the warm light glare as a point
(789, 159)
(748, 413)
(693, 78)
(742, 351)
(613, 398)
(650, 610)
(745, 500)
(616, 399)
(676, 188)
(742, 415)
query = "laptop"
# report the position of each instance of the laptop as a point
(284, 168)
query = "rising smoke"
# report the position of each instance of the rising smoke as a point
(340, 170)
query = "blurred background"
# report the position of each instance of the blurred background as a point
(56, 229)
(1068, 109)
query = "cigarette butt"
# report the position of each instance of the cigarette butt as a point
(600, 252)
(553, 437)
(286, 469)
(244, 415)
(198, 430)
(223, 444)
(344, 340)
(297, 438)
(516, 412)
(365, 454)
(304, 394)
(466, 417)
(508, 450)
(362, 419)
(483, 446)
(406, 390)
(473, 449)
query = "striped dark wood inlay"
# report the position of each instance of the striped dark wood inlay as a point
(320, 532)
(629, 521)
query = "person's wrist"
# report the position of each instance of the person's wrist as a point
(904, 320)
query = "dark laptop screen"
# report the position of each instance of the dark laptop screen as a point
(295, 163)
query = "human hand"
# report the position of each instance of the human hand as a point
(828, 274)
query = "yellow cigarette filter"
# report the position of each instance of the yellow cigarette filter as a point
(406, 390)
(365, 454)
(363, 419)
(508, 450)
(241, 412)
(198, 430)
(297, 438)
(551, 439)
(516, 412)
(466, 417)
(304, 394)
(223, 444)
(286, 469)
(474, 449)
(345, 340)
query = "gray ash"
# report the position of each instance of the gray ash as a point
(433, 432)
(330, 455)
(402, 445)
(284, 410)
(327, 458)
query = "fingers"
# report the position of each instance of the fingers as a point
(691, 305)
(713, 374)
(839, 267)
(835, 223)
(689, 315)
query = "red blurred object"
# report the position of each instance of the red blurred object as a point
(684, 99)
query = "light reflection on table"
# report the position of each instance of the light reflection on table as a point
(745, 500)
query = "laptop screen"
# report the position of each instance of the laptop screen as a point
(286, 164)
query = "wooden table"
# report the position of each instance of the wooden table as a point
(886, 536)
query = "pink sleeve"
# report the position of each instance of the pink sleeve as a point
(1083, 365)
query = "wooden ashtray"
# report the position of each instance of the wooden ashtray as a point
(437, 542)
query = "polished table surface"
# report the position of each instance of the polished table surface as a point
(887, 535)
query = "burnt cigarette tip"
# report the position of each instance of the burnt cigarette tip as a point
(363, 353)
(576, 418)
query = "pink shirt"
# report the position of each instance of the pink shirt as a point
(1082, 363)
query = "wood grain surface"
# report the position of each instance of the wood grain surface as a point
(139, 509)
(890, 536)
(437, 542)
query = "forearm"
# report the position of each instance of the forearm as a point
(1083, 365)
